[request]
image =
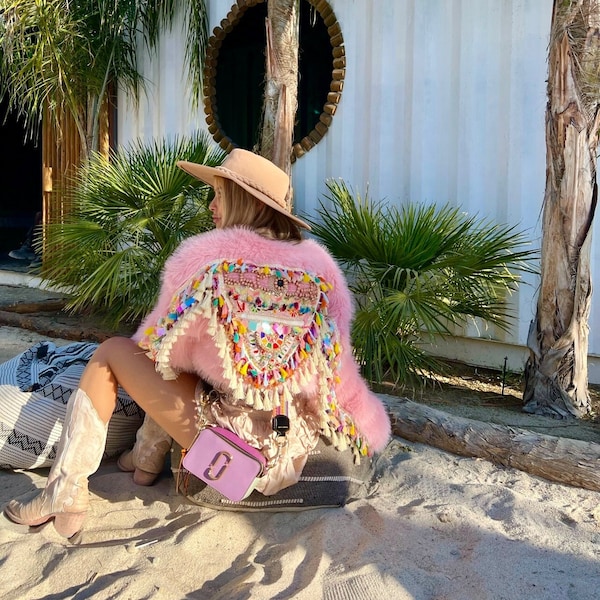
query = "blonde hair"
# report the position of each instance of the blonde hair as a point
(239, 207)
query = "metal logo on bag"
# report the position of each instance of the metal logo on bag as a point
(227, 458)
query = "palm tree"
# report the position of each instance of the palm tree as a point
(130, 213)
(63, 55)
(281, 86)
(556, 373)
(415, 272)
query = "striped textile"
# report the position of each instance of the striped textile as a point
(35, 387)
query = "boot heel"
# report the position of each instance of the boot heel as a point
(68, 524)
(141, 477)
(125, 462)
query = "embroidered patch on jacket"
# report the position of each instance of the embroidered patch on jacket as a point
(273, 333)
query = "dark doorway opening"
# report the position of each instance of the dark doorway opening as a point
(21, 184)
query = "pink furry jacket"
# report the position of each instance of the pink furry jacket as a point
(212, 318)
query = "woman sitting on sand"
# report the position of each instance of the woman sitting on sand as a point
(252, 309)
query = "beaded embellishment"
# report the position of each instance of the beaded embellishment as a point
(273, 333)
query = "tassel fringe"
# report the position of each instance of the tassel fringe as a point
(272, 331)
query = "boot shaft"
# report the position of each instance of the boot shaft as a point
(152, 445)
(80, 451)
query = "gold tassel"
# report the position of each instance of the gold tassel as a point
(295, 387)
(337, 440)
(287, 396)
(249, 397)
(228, 368)
(211, 329)
(239, 392)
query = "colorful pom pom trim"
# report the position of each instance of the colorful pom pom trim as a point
(272, 330)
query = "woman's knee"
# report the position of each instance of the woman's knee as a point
(113, 347)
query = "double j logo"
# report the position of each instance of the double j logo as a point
(218, 465)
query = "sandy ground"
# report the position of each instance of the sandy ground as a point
(434, 526)
(13, 341)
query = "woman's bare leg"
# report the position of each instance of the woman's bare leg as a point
(169, 403)
(120, 361)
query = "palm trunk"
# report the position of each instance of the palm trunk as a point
(281, 89)
(556, 372)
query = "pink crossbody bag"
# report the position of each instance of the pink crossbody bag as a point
(225, 462)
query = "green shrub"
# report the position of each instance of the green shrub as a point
(416, 271)
(128, 215)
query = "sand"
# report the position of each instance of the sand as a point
(434, 526)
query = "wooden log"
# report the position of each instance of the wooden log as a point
(50, 327)
(334, 97)
(321, 128)
(323, 8)
(226, 144)
(325, 118)
(339, 63)
(315, 136)
(234, 14)
(329, 108)
(219, 34)
(35, 307)
(338, 51)
(329, 20)
(298, 150)
(307, 144)
(334, 29)
(336, 40)
(226, 25)
(563, 460)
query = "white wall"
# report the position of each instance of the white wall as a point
(443, 102)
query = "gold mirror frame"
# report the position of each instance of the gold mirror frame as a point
(338, 74)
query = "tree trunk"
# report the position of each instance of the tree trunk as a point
(281, 86)
(556, 371)
(573, 462)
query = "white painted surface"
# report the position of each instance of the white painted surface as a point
(443, 102)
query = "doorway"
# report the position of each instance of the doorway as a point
(21, 186)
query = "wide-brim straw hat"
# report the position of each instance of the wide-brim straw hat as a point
(257, 175)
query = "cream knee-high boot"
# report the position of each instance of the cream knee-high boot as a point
(65, 497)
(147, 459)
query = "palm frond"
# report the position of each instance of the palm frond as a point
(130, 214)
(416, 271)
(61, 55)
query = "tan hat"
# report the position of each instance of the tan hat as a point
(257, 175)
